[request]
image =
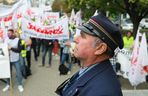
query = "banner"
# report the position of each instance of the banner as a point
(1, 33)
(49, 18)
(52, 16)
(58, 30)
(4, 61)
(8, 15)
(14, 7)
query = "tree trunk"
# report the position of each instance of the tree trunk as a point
(135, 27)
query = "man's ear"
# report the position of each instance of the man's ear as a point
(100, 49)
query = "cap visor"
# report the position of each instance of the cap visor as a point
(85, 30)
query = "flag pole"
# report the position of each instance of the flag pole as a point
(135, 89)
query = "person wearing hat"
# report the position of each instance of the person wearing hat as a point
(98, 39)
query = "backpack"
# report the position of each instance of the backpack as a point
(63, 69)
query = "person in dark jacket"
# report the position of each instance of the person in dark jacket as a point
(34, 47)
(48, 46)
(95, 45)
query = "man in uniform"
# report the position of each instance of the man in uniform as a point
(98, 39)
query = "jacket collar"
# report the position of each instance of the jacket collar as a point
(98, 68)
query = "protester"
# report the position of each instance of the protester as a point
(48, 46)
(14, 47)
(66, 54)
(56, 47)
(39, 46)
(61, 49)
(128, 41)
(23, 59)
(28, 43)
(98, 39)
(34, 47)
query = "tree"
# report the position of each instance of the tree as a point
(137, 9)
(88, 7)
(8, 2)
(60, 5)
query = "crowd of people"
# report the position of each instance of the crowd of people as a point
(21, 46)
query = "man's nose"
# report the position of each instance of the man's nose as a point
(76, 39)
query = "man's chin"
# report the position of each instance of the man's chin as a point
(76, 56)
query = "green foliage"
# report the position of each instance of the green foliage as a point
(137, 9)
(144, 30)
(56, 5)
(143, 2)
(60, 5)
(7, 2)
(88, 7)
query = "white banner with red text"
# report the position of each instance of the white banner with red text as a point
(58, 30)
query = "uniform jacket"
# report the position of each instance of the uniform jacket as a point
(100, 80)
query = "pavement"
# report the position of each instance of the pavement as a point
(44, 81)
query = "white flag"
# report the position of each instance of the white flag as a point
(134, 60)
(78, 22)
(143, 53)
(135, 49)
(72, 17)
(11, 10)
(78, 18)
(96, 13)
(137, 73)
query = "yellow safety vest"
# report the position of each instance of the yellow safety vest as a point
(128, 42)
(23, 51)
